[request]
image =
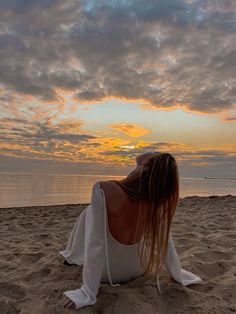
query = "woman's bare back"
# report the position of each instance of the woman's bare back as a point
(122, 213)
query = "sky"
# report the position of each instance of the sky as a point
(86, 86)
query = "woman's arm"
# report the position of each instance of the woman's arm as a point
(93, 254)
(173, 266)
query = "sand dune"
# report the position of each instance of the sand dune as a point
(33, 277)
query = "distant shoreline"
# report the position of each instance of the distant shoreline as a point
(218, 178)
(103, 175)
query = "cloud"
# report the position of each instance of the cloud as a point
(131, 130)
(44, 139)
(230, 115)
(232, 118)
(191, 161)
(163, 54)
(53, 144)
(167, 54)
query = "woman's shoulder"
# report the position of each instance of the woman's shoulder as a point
(111, 189)
(113, 195)
(108, 185)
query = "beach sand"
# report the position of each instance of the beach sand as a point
(33, 276)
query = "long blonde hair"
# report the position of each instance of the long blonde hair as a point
(156, 187)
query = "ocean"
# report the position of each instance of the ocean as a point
(17, 190)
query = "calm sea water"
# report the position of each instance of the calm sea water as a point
(18, 190)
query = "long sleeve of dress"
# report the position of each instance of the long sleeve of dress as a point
(173, 266)
(93, 253)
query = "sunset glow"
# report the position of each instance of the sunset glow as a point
(91, 85)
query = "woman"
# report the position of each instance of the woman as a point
(125, 231)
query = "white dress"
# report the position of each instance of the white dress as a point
(104, 259)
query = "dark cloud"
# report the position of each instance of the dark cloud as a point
(163, 52)
(191, 162)
(231, 118)
(25, 5)
(48, 132)
(43, 140)
(130, 154)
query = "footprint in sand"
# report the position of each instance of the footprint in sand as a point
(26, 225)
(182, 241)
(7, 307)
(214, 269)
(11, 290)
(212, 256)
(47, 244)
(31, 257)
(106, 302)
(39, 237)
(38, 274)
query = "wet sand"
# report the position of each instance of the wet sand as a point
(33, 276)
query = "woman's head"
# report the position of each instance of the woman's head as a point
(154, 178)
(159, 180)
(155, 183)
(141, 159)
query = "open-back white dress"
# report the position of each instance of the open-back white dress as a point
(104, 259)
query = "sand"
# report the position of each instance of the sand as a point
(33, 276)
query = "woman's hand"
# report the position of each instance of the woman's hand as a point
(68, 304)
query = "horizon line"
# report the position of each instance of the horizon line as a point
(106, 175)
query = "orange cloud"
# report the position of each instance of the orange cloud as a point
(229, 116)
(132, 130)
